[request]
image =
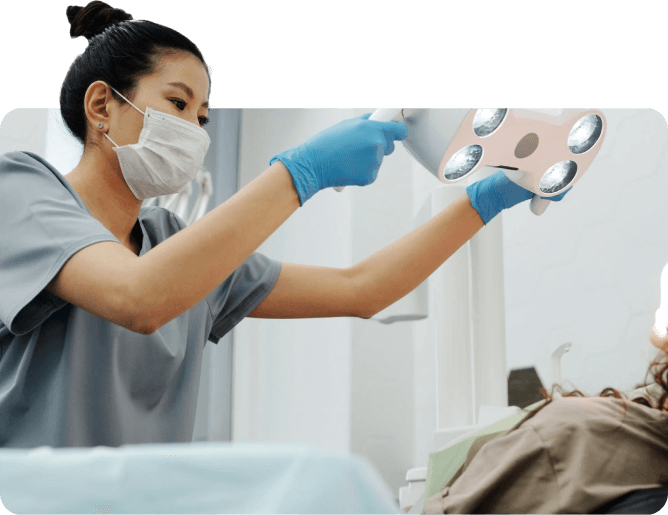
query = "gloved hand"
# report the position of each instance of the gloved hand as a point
(347, 154)
(497, 192)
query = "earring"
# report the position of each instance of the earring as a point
(100, 125)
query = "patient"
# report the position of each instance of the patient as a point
(572, 454)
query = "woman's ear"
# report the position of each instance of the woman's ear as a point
(98, 106)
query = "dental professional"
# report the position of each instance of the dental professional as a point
(105, 306)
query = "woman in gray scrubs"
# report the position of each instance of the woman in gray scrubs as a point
(105, 306)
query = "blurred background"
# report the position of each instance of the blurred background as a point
(585, 272)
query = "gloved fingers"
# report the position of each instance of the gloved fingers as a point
(392, 131)
(561, 195)
(504, 184)
(510, 192)
(395, 131)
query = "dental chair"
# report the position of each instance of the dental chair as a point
(642, 501)
(635, 503)
(647, 501)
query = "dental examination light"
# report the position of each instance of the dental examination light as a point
(546, 151)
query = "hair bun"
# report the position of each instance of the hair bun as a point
(91, 20)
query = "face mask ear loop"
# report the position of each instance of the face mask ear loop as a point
(142, 112)
(112, 141)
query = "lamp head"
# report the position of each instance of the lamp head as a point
(545, 151)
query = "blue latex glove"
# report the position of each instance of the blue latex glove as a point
(497, 192)
(347, 154)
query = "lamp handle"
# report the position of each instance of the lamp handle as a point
(539, 205)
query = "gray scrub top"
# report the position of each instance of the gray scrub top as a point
(69, 378)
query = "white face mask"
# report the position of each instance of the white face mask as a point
(168, 155)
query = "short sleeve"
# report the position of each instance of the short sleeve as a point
(241, 293)
(42, 225)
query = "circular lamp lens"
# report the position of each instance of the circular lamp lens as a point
(558, 177)
(585, 133)
(486, 121)
(462, 162)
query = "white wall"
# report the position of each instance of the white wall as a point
(587, 271)
(43, 132)
(341, 384)
(292, 377)
(24, 129)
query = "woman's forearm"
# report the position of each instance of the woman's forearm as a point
(177, 274)
(391, 273)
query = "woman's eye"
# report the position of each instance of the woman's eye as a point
(180, 104)
(203, 120)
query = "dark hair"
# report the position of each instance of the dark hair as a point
(119, 52)
(658, 371)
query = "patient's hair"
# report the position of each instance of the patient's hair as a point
(658, 371)
(120, 50)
